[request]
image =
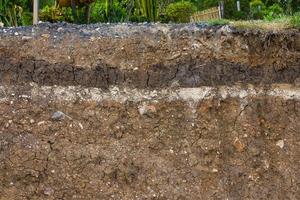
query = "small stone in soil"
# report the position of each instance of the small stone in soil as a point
(280, 143)
(48, 191)
(238, 145)
(58, 115)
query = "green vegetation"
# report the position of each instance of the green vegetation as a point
(55, 14)
(230, 10)
(11, 12)
(216, 22)
(295, 20)
(284, 22)
(253, 13)
(180, 11)
(149, 9)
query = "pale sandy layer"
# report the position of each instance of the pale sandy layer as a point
(75, 93)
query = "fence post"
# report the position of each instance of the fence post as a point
(35, 11)
(238, 5)
(221, 9)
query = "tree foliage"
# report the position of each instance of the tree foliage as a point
(180, 11)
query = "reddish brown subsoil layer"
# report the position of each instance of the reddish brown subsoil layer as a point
(212, 150)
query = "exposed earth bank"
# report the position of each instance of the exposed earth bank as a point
(149, 112)
(151, 55)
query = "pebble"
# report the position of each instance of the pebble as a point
(48, 191)
(40, 123)
(80, 125)
(146, 109)
(26, 38)
(58, 115)
(45, 35)
(238, 145)
(254, 151)
(60, 29)
(24, 96)
(280, 143)
(215, 170)
(266, 165)
(225, 29)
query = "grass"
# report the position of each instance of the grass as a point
(295, 20)
(215, 22)
(282, 23)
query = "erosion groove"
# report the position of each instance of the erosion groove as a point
(149, 111)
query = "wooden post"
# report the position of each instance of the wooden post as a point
(221, 9)
(35, 11)
(238, 5)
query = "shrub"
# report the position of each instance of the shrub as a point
(163, 18)
(206, 4)
(180, 11)
(230, 9)
(257, 8)
(137, 18)
(115, 12)
(55, 14)
(98, 12)
(295, 20)
(273, 12)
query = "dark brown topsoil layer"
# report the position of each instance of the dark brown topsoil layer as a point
(147, 56)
